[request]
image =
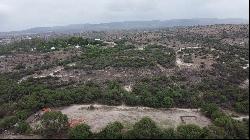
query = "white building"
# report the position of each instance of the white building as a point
(77, 46)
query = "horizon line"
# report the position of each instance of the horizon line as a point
(53, 26)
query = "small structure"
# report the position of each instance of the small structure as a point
(77, 46)
(188, 119)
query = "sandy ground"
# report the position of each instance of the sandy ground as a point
(103, 115)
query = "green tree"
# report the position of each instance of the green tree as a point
(22, 128)
(81, 131)
(54, 123)
(8, 122)
(144, 129)
(214, 132)
(233, 128)
(167, 102)
(189, 131)
(132, 99)
(242, 107)
(217, 114)
(112, 131)
(22, 115)
(151, 101)
(169, 133)
(208, 109)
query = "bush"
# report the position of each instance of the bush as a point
(208, 109)
(168, 102)
(242, 107)
(112, 131)
(144, 129)
(20, 66)
(22, 115)
(222, 121)
(214, 132)
(132, 99)
(169, 133)
(54, 123)
(217, 114)
(22, 128)
(233, 128)
(151, 102)
(187, 59)
(81, 131)
(189, 131)
(8, 122)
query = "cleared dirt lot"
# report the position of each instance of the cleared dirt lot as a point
(99, 117)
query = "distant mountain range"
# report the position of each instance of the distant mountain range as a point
(132, 25)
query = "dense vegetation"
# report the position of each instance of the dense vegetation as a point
(20, 101)
(218, 88)
(42, 45)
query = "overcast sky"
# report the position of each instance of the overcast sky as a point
(22, 14)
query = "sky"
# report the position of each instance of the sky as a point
(23, 14)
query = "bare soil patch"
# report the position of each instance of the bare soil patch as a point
(102, 115)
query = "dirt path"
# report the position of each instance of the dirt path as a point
(235, 115)
(161, 67)
(241, 118)
(102, 115)
(48, 72)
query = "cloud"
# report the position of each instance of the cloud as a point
(21, 14)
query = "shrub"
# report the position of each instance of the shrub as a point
(20, 66)
(8, 122)
(214, 132)
(132, 99)
(187, 59)
(22, 128)
(217, 114)
(168, 102)
(233, 128)
(208, 109)
(189, 131)
(222, 121)
(53, 123)
(81, 131)
(22, 115)
(112, 131)
(144, 129)
(169, 133)
(242, 107)
(151, 102)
